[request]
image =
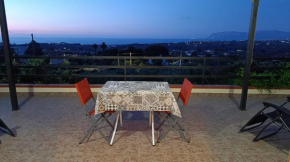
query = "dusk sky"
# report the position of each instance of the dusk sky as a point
(141, 18)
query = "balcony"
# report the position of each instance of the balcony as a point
(49, 128)
(49, 125)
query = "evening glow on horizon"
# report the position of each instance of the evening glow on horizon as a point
(140, 18)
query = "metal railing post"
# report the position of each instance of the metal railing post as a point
(203, 71)
(125, 70)
(180, 58)
(118, 59)
(130, 59)
(250, 49)
(45, 71)
(8, 59)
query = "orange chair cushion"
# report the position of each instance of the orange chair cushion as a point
(167, 112)
(185, 91)
(106, 112)
(84, 91)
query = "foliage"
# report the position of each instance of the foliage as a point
(3, 79)
(267, 80)
(36, 62)
(131, 49)
(95, 46)
(62, 80)
(156, 50)
(37, 49)
(66, 62)
(110, 52)
(2, 58)
(103, 46)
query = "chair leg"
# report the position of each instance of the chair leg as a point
(116, 125)
(257, 137)
(94, 122)
(86, 135)
(106, 118)
(177, 123)
(3, 125)
(94, 127)
(176, 126)
(166, 132)
(164, 120)
(257, 119)
(90, 135)
(180, 130)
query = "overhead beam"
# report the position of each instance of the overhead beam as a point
(8, 59)
(249, 57)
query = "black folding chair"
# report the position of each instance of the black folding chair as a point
(5, 129)
(279, 116)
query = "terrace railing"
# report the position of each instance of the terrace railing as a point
(206, 70)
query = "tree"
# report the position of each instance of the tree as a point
(134, 50)
(103, 46)
(95, 46)
(156, 50)
(37, 49)
(2, 58)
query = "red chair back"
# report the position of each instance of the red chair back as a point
(185, 91)
(84, 91)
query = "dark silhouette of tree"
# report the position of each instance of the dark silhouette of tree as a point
(156, 50)
(104, 46)
(11, 53)
(111, 52)
(37, 49)
(194, 54)
(134, 50)
(95, 46)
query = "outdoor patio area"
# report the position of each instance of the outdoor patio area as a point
(49, 128)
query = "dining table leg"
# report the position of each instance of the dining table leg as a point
(150, 118)
(152, 125)
(115, 129)
(121, 119)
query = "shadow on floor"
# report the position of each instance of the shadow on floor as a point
(25, 101)
(5, 131)
(274, 140)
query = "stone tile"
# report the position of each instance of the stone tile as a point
(49, 128)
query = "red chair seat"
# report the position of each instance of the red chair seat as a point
(109, 112)
(167, 112)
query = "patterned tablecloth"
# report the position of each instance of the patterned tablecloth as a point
(136, 96)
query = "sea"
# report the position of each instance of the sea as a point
(108, 41)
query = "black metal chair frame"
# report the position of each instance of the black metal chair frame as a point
(280, 116)
(5, 127)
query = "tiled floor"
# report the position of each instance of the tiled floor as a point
(49, 129)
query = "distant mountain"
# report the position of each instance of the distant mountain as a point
(260, 35)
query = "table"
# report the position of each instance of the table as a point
(136, 96)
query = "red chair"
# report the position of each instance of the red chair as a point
(184, 95)
(85, 94)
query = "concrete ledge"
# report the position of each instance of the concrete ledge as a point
(197, 89)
